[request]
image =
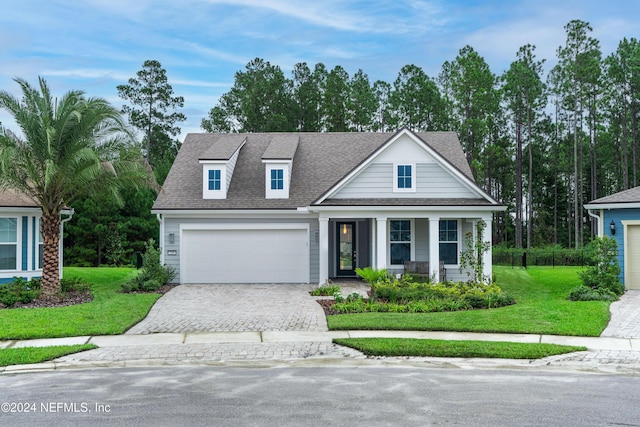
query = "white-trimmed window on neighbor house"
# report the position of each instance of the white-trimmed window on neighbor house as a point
(399, 241)
(215, 182)
(404, 177)
(8, 243)
(448, 240)
(277, 179)
(40, 245)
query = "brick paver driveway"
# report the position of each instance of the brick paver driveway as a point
(246, 307)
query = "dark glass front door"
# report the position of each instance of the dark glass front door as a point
(346, 232)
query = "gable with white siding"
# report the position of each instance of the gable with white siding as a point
(434, 178)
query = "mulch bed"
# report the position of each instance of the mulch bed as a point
(327, 306)
(72, 298)
(64, 300)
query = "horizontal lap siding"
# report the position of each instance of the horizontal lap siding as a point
(432, 181)
(617, 216)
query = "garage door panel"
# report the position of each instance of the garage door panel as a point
(633, 257)
(245, 256)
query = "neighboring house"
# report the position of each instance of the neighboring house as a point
(619, 217)
(308, 207)
(20, 238)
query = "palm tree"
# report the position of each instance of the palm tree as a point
(70, 148)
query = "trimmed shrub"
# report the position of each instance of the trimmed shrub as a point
(152, 275)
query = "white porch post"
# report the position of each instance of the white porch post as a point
(323, 242)
(434, 247)
(487, 259)
(381, 242)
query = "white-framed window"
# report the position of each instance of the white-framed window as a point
(277, 179)
(215, 179)
(404, 177)
(40, 245)
(400, 241)
(8, 243)
(448, 239)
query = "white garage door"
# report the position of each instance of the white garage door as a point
(245, 256)
(632, 260)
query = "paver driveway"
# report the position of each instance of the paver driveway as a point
(246, 307)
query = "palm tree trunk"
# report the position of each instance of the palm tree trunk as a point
(51, 262)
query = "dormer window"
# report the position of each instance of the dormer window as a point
(278, 163)
(404, 177)
(214, 179)
(277, 179)
(218, 164)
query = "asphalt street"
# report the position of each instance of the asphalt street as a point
(373, 395)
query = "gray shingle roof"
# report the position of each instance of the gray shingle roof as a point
(631, 195)
(282, 147)
(11, 199)
(321, 161)
(221, 148)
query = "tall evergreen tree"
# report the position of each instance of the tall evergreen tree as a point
(152, 108)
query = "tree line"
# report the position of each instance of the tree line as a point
(542, 144)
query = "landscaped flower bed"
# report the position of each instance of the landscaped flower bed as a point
(407, 296)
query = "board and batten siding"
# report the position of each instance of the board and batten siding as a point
(376, 181)
(172, 226)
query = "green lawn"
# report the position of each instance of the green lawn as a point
(28, 355)
(541, 308)
(109, 313)
(399, 347)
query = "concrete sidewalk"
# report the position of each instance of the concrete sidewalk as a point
(250, 335)
(591, 343)
(273, 347)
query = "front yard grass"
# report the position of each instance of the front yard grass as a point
(399, 347)
(109, 313)
(28, 355)
(541, 307)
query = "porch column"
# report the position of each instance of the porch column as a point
(487, 259)
(434, 247)
(323, 243)
(381, 242)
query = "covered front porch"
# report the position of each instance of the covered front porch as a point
(386, 239)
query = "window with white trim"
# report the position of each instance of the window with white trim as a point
(277, 179)
(448, 240)
(40, 245)
(215, 182)
(8, 243)
(404, 177)
(399, 241)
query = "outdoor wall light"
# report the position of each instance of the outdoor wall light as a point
(172, 238)
(612, 226)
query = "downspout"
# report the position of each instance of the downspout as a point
(70, 213)
(160, 219)
(597, 218)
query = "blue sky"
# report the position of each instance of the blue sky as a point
(95, 45)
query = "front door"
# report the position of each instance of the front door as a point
(346, 232)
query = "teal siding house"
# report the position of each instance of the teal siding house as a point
(21, 246)
(618, 216)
